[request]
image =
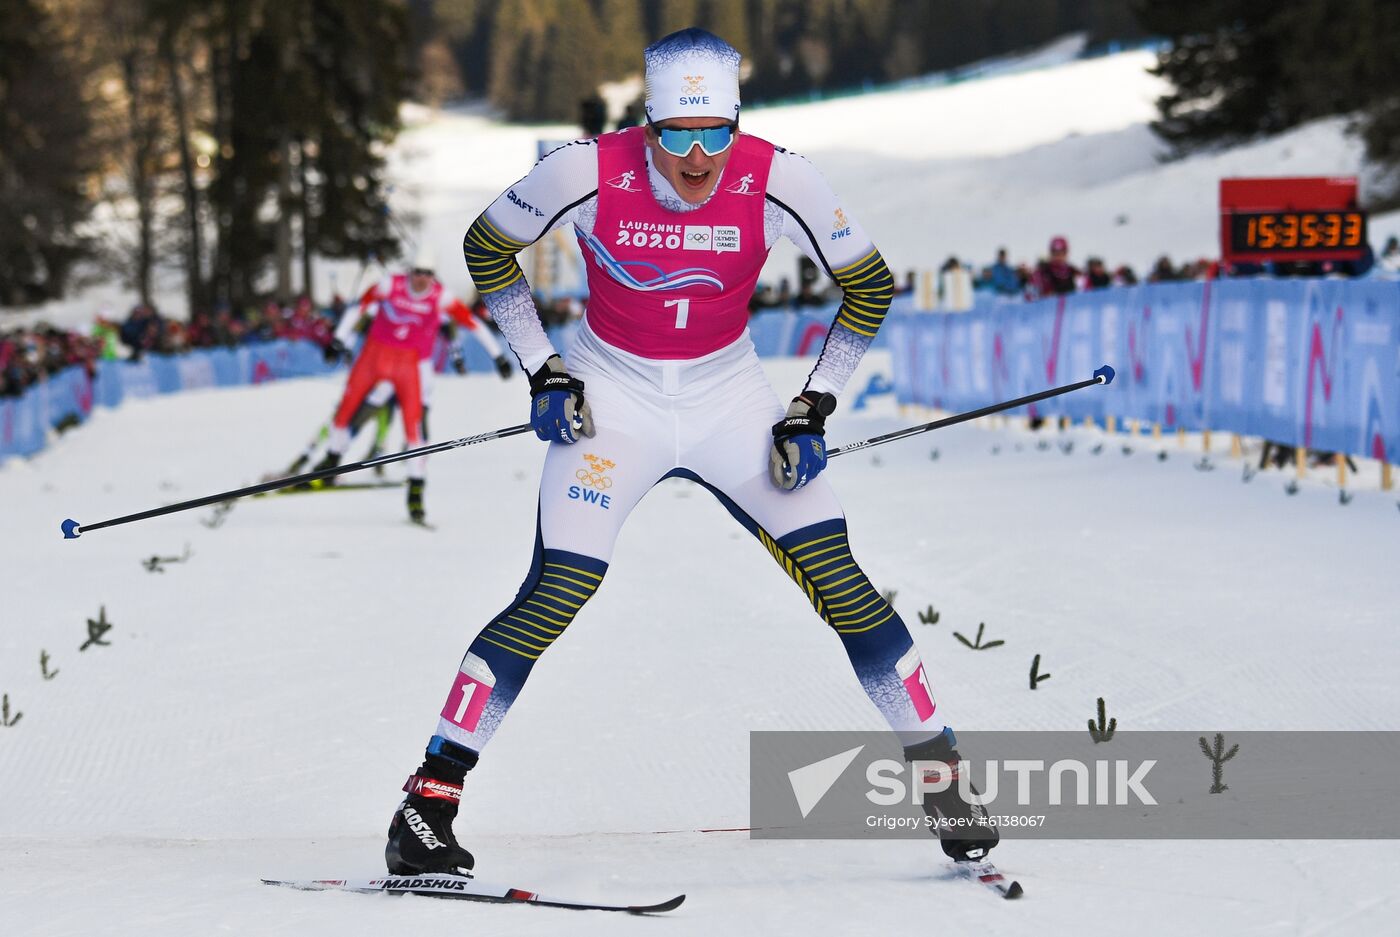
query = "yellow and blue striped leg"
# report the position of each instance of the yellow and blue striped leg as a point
(500, 659)
(876, 640)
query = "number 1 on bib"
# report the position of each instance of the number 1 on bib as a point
(682, 310)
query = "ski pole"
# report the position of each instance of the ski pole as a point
(1103, 375)
(72, 529)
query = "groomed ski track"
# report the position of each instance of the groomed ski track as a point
(259, 706)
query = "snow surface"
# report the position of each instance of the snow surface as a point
(260, 705)
(1007, 160)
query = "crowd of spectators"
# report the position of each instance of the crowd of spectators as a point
(145, 330)
(1056, 274)
(30, 353)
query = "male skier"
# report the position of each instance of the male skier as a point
(675, 220)
(408, 313)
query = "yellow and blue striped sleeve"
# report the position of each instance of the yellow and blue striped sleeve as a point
(490, 256)
(868, 289)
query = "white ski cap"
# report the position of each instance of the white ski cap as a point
(424, 260)
(692, 73)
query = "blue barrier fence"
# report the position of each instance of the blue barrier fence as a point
(70, 394)
(1312, 363)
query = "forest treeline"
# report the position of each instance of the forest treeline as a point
(248, 137)
(236, 135)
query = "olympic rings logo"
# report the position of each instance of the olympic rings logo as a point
(594, 479)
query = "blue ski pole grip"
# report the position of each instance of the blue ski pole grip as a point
(1104, 372)
(71, 529)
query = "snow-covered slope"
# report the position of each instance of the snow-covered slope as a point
(963, 169)
(259, 705)
(960, 169)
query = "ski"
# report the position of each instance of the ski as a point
(464, 888)
(984, 873)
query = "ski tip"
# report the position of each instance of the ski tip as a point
(671, 905)
(1105, 373)
(1014, 890)
(305, 885)
(71, 529)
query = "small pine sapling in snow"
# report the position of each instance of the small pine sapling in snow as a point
(977, 645)
(1105, 729)
(1218, 756)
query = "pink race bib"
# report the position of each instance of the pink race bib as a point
(405, 320)
(671, 285)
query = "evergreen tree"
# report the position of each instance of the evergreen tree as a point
(620, 52)
(466, 25)
(1380, 123)
(572, 68)
(820, 33)
(677, 14)
(44, 163)
(790, 46)
(246, 171)
(1227, 66)
(306, 99)
(1245, 68)
(358, 54)
(856, 30)
(727, 19)
(440, 78)
(173, 21)
(517, 33)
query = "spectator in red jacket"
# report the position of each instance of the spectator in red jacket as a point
(1056, 276)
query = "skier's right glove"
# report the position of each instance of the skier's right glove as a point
(558, 412)
(335, 352)
(503, 367)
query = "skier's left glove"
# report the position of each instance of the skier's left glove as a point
(335, 352)
(503, 367)
(459, 361)
(799, 444)
(558, 412)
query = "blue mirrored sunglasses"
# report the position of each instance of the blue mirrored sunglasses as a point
(712, 140)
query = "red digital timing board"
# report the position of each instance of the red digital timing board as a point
(1291, 218)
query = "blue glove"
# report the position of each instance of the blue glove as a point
(799, 443)
(558, 412)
